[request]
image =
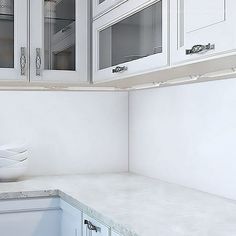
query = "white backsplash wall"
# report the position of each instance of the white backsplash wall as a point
(68, 132)
(186, 135)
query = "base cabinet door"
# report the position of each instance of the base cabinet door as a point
(129, 40)
(201, 28)
(92, 227)
(71, 220)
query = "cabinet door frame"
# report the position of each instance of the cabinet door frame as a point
(100, 9)
(137, 66)
(74, 216)
(20, 40)
(81, 74)
(213, 34)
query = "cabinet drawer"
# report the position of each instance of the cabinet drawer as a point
(25, 205)
(92, 227)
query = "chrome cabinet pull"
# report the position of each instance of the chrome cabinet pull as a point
(23, 60)
(119, 69)
(92, 227)
(200, 48)
(38, 62)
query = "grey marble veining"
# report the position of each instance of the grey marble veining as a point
(135, 205)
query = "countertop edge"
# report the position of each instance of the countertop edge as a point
(122, 229)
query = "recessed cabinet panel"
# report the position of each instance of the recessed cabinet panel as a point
(59, 41)
(30, 217)
(35, 223)
(201, 28)
(100, 7)
(13, 40)
(136, 42)
(202, 13)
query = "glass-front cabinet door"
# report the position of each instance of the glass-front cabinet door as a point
(59, 41)
(13, 40)
(133, 43)
(100, 7)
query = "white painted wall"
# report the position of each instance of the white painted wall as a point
(186, 135)
(68, 132)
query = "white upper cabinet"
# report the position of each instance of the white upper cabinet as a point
(201, 28)
(130, 39)
(59, 41)
(100, 7)
(13, 40)
(47, 42)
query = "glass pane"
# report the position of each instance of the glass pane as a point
(59, 34)
(135, 37)
(6, 34)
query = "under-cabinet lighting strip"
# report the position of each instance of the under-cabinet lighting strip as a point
(170, 82)
(55, 88)
(182, 80)
(231, 71)
(191, 78)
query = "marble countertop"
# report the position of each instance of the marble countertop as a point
(135, 205)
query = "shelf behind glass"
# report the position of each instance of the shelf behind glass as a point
(57, 24)
(6, 17)
(58, 18)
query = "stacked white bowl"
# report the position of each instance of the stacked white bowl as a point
(13, 161)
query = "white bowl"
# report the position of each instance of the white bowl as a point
(18, 157)
(18, 148)
(7, 153)
(4, 162)
(13, 172)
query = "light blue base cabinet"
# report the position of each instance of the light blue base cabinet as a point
(39, 217)
(48, 216)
